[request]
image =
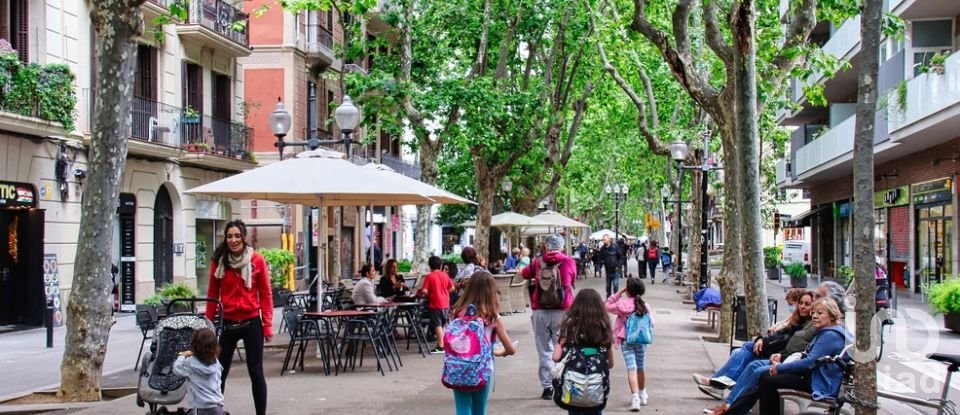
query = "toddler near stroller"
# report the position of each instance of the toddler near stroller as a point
(161, 385)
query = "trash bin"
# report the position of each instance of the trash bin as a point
(740, 320)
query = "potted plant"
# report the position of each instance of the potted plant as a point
(798, 275)
(945, 298)
(845, 275)
(162, 297)
(404, 265)
(280, 262)
(771, 261)
(190, 115)
(937, 62)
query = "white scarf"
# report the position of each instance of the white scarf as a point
(238, 262)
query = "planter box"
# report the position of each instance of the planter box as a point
(798, 282)
(280, 297)
(952, 322)
(773, 273)
(190, 120)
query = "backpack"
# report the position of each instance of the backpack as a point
(584, 380)
(468, 353)
(549, 287)
(651, 253)
(639, 330)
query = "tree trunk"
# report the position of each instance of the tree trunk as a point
(117, 24)
(695, 208)
(421, 236)
(486, 194)
(747, 138)
(864, 262)
(730, 279)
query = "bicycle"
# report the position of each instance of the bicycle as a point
(846, 394)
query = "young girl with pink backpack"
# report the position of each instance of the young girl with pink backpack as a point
(468, 344)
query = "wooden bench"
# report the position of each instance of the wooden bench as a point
(805, 401)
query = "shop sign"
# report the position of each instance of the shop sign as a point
(842, 210)
(17, 195)
(51, 286)
(896, 196)
(934, 191)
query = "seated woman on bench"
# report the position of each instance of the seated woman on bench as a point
(758, 349)
(755, 362)
(801, 373)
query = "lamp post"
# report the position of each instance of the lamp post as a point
(665, 192)
(347, 116)
(679, 151)
(619, 193)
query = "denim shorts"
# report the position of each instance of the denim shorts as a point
(634, 355)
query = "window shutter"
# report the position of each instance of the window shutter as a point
(21, 26)
(185, 83)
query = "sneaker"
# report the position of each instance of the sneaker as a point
(635, 404)
(701, 380)
(437, 350)
(643, 398)
(547, 394)
(723, 382)
(711, 391)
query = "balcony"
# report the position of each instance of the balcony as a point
(217, 25)
(783, 175)
(317, 46)
(931, 114)
(163, 131)
(398, 165)
(377, 22)
(832, 144)
(154, 8)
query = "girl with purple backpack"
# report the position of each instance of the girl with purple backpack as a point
(478, 302)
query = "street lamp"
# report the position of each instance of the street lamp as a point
(619, 193)
(679, 151)
(347, 116)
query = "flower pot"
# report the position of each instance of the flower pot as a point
(952, 322)
(773, 273)
(798, 282)
(187, 119)
(280, 296)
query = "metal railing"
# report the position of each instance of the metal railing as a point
(398, 165)
(221, 17)
(321, 35)
(163, 124)
(161, 3)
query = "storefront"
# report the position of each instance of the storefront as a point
(843, 221)
(124, 252)
(933, 210)
(892, 232)
(22, 298)
(211, 218)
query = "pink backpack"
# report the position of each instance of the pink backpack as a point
(468, 353)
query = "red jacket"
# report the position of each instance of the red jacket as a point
(239, 303)
(568, 272)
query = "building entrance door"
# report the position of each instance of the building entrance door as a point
(162, 239)
(934, 244)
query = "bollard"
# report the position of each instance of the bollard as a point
(49, 322)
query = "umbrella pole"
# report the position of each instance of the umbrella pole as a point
(322, 254)
(373, 237)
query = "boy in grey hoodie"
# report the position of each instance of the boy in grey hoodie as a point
(202, 370)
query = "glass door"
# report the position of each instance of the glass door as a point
(934, 244)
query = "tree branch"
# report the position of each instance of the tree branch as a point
(480, 65)
(797, 33)
(681, 26)
(654, 115)
(501, 70)
(714, 36)
(683, 70)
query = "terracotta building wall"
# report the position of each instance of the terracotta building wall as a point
(261, 86)
(266, 29)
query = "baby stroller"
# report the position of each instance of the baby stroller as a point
(158, 387)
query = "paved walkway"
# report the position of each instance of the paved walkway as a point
(679, 351)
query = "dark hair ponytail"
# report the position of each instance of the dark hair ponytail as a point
(636, 289)
(220, 254)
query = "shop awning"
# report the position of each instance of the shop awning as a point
(803, 219)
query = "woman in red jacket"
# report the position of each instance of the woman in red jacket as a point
(239, 278)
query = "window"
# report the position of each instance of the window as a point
(145, 79)
(329, 110)
(221, 97)
(192, 82)
(15, 26)
(930, 37)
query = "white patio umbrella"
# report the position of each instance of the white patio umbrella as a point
(598, 235)
(556, 221)
(509, 219)
(318, 178)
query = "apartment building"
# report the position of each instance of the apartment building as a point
(294, 61)
(917, 147)
(188, 129)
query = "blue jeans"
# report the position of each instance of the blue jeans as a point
(748, 379)
(613, 282)
(737, 361)
(472, 403)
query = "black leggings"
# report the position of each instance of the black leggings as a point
(252, 336)
(767, 393)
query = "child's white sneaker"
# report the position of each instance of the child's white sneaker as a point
(635, 403)
(643, 397)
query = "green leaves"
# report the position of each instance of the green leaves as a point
(43, 91)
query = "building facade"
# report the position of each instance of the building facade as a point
(188, 128)
(917, 147)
